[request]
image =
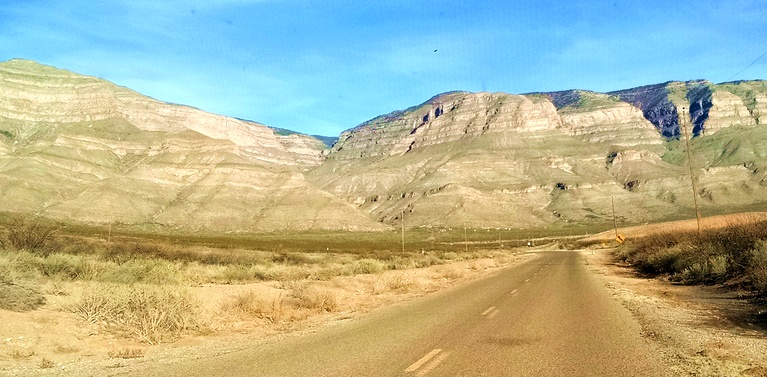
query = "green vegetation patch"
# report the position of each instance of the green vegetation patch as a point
(746, 90)
(589, 101)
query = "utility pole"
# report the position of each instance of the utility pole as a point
(402, 221)
(615, 221)
(465, 238)
(689, 165)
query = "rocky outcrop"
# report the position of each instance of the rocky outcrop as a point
(494, 159)
(727, 110)
(600, 118)
(444, 119)
(79, 148)
(656, 106)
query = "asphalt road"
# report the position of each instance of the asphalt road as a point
(549, 316)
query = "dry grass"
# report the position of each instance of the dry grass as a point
(757, 269)
(127, 353)
(149, 314)
(398, 282)
(46, 364)
(250, 305)
(134, 286)
(732, 253)
(21, 354)
(19, 297)
(313, 297)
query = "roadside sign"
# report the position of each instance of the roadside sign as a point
(619, 238)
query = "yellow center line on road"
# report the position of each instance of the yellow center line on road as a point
(490, 309)
(422, 361)
(527, 280)
(514, 291)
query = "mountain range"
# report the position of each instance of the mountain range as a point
(81, 149)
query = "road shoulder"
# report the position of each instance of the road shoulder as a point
(702, 331)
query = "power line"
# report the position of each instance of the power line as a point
(748, 66)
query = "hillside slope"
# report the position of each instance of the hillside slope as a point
(502, 160)
(79, 148)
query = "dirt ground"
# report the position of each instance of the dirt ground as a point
(701, 330)
(52, 341)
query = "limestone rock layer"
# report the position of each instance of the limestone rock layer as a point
(81, 149)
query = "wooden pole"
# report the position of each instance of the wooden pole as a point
(402, 220)
(465, 238)
(615, 221)
(689, 166)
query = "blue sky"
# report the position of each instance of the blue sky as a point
(321, 67)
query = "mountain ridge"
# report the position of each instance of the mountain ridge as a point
(80, 148)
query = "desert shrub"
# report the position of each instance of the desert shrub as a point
(292, 258)
(63, 266)
(287, 273)
(400, 283)
(451, 273)
(250, 304)
(141, 270)
(145, 313)
(127, 353)
(714, 256)
(98, 304)
(18, 297)
(26, 234)
(46, 363)
(237, 274)
(247, 303)
(697, 273)
(369, 266)
(312, 297)
(670, 260)
(427, 261)
(401, 263)
(451, 256)
(718, 264)
(757, 267)
(330, 271)
(396, 282)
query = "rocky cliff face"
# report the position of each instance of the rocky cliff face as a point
(500, 160)
(80, 148)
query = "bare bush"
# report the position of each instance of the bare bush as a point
(25, 234)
